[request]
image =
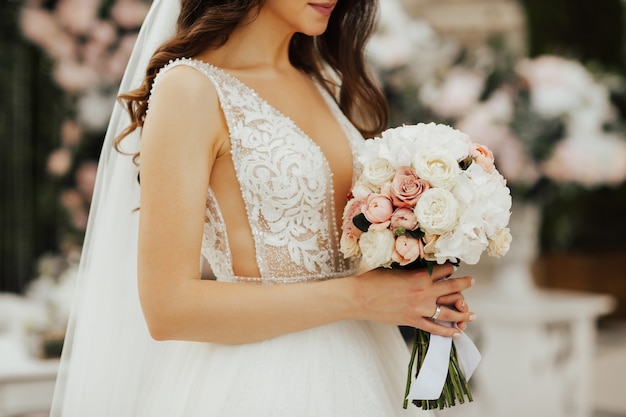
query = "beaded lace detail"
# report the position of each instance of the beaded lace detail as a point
(286, 185)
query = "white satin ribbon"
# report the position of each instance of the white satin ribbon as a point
(434, 370)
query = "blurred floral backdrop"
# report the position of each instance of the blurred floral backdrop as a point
(76, 52)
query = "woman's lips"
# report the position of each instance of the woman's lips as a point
(324, 9)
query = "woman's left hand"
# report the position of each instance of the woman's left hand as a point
(457, 302)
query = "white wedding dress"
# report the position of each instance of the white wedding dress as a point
(345, 369)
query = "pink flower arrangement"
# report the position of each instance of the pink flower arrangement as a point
(427, 195)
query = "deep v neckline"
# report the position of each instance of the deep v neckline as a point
(325, 96)
(287, 187)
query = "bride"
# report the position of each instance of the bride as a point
(251, 115)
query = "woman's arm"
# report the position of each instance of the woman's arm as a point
(183, 135)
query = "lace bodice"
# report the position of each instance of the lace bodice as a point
(286, 184)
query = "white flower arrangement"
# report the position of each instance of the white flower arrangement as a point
(460, 201)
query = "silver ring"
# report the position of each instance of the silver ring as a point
(437, 313)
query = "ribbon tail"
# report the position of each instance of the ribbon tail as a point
(468, 355)
(434, 370)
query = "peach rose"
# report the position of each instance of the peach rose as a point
(407, 250)
(407, 187)
(403, 217)
(353, 208)
(484, 157)
(378, 208)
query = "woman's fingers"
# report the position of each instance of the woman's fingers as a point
(448, 315)
(451, 286)
(454, 316)
(435, 328)
(442, 271)
(456, 300)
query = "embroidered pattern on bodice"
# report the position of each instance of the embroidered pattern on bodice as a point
(286, 184)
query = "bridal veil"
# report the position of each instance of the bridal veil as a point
(107, 347)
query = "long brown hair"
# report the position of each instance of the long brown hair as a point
(206, 24)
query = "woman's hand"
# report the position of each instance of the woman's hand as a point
(456, 301)
(411, 297)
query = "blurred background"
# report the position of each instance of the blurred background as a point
(542, 83)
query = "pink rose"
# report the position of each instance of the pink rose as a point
(407, 187)
(353, 208)
(407, 250)
(378, 208)
(403, 217)
(484, 157)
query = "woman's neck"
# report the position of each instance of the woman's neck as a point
(261, 45)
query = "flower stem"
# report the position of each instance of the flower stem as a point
(416, 339)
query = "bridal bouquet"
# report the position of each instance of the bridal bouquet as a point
(427, 195)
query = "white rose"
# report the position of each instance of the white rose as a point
(349, 247)
(437, 211)
(463, 243)
(360, 190)
(437, 166)
(376, 172)
(368, 150)
(484, 202)
(500, 243)
(377, 247)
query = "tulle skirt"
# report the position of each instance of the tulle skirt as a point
(350, 368)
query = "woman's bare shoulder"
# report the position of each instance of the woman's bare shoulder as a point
(184, 83)
(184, 114)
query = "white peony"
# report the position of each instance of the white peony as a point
(360, 190)
(482, 196)
(437, 166)
(377, 247)
(437, 211)
(349, 247)
(484, 207)
(377, 172)
(500, 243)
(464, 243)
(369, 150)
